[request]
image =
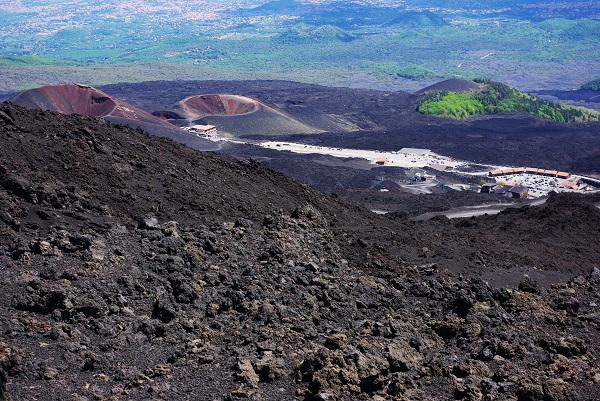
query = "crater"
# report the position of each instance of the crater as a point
(217, 105)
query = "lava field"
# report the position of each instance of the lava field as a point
(134, 267)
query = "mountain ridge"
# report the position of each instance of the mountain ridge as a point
(86, 100)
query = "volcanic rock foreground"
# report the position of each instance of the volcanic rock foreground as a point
(136, 268)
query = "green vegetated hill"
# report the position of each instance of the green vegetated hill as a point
(301, 33)
(592, 85)
(417, 19)
(495, 97)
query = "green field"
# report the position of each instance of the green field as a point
(379, 50)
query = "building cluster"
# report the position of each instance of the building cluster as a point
(530, 170)
(510, 191)
(538, 181)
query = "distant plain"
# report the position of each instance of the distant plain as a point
(390, 45)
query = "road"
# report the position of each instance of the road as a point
(479, 210)
(394, 159)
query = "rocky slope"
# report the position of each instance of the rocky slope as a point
(133, 267)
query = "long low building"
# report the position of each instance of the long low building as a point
(204, 129)
(530, 170)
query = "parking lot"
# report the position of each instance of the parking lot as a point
(405, 159)
(539, 185)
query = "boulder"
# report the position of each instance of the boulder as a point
(402, 357)
(248, 378)
(270, 368)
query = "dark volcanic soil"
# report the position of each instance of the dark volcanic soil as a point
(133, 267)
(389, 121)
(452, 85)
(585, 98)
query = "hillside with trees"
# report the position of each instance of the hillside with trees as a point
(592, 85)
(494, 98)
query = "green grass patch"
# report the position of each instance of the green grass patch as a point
(451, 104)
(415, 71)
